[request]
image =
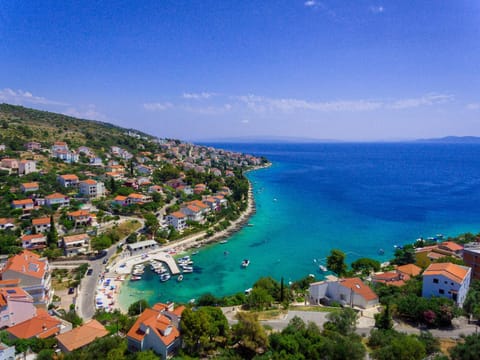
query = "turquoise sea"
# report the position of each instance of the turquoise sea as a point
(356, 197)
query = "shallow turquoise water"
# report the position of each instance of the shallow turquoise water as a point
(356, 197)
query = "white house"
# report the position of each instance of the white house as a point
(178, 220)
(447, 280)
(68, 180)
(57, 199)
(351, 291)
(76, 244)
(91, 188)
(26, 167)
(41, 224)
(7, 224)
(193, 213)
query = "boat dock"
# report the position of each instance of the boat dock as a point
(125, 266)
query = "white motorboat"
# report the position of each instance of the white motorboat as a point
(245, 263)
(165, 277)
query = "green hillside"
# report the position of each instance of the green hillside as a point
(19, 125)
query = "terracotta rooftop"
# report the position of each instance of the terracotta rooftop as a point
(89, 182)
(75, 238)
(82, 335)
(451, 271)
(30, 185)
(4, 221)
(136, 196)
(452, 246)
(55, 196)
(32, 236)
(69, 177)
(41, 221)
(120, 198)
(27, 263)
(79, 213)
(157, 323)
(358, 287)
(23, 202)
(178, 214)
(410, 269)
(41, 326)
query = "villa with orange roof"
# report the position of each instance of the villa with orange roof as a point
(16, 306)
(447, 280)
(34, 274)
(120, 200)
(57, 199)
(157, 329)
(25, 205)
(34, 241)
(135, 198)
(350, 291)
(81, 336)
(68, 180)
(177, 219)
(92, 188)
(41, 225)
(76, 244)
(40, 326)
(30, 186)
(451, 246)
(193, 213)
(80, 217)
(7, 224)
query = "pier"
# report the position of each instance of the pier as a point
(124, 266)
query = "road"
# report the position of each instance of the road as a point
(86, 292)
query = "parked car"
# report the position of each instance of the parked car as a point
(105, 260)
(89, 271)
(71, 291)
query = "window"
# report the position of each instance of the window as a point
(435, 281)
(441, 291)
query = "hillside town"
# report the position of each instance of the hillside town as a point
(76, 221)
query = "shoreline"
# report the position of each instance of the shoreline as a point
(194, 241)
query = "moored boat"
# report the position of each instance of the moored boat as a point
(245, 263)
(322, 268)
(180, 278)
(135, 278)
(165, 277)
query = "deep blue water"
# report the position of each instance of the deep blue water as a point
(315, 197)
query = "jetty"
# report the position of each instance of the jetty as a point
(124, 266)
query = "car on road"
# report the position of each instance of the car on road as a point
(89, 271)
(71, 291)
(105, 260)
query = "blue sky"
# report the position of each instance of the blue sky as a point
(349, 70)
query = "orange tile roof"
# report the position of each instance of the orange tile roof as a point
(41, 221)
(157, 323)
(27, 263)
(23, 202)
(452, 246)
(75, 238)
(55, 196)
(79, 213)
(8, 283)
(82, 335)
(32, 236)
(41, 326)
(136, 196)
(410, 269)
(451, 271)
(120, 198)
(434, 255)
(60, 143)
(358, 287)
(198, 203)
(69, 177)
(179, 310)
(178, 214)
(30, 185)
(4, 221)
(89, 182)
(14, 292)
(194, 208)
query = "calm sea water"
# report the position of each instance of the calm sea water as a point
(356, 197)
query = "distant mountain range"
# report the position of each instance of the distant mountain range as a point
(453, 140)
(265, 140)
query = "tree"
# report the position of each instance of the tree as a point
(366, 265)
(343, 321)
(146, 355)
(249, 334)
(52, 236)
(468, 350)
(384, 320)
(404, 255)
(259, 299)
(199, 329)
(336, 262)
(137, 307)
(151, 222)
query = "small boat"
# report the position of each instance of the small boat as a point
(165, 277)
(311, 275)
(381, 251)
(186, 268)
(250, 224)
(322, 268)
(223, 241)
(180, 278)
(245, 263)
(248, 291)
(195, 253)
(135, 278)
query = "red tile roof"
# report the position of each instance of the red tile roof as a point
(409, 269)
(83, 335)
(55, 196)
(41, 221)
(69, 177)
(178, 214)
(89, 182)
(27, 263)
(23, 202)
(451, 271)
(452, 246)
(30, 185)
(358, 287)
(158, 325)
(40, 326)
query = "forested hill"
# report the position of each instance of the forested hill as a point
(19, 125)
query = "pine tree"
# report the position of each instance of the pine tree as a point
(282, 295)
(52, 236)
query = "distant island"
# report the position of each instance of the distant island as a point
(453, 140)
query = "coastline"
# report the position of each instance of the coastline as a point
(194, 241)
